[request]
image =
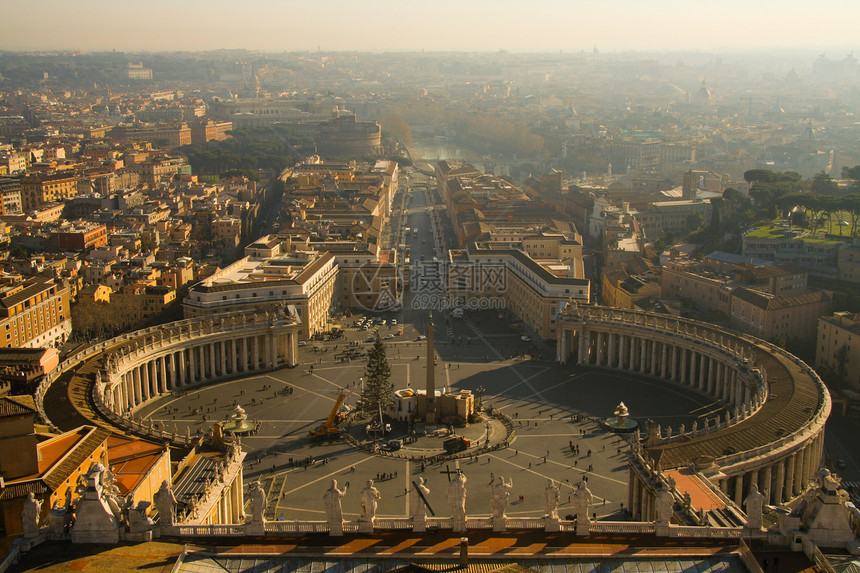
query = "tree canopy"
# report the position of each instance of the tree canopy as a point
(378, 391)
(272, 147)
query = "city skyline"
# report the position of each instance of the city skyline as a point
(482, 25)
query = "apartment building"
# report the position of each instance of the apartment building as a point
(503, 275)
(39, 188)
(268, 278)
(769, 316)
(35, 313)
(672, 216)
(837, 349)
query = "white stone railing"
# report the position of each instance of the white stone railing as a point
(203, 530)
(296, 527)
(621, 527)
(476, 523)
(705, 532)
(526, 522)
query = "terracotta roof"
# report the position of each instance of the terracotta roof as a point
(32, 287)
(767, 301)
(701, 496)
(17, 406)
(95, 437)
(16, 490)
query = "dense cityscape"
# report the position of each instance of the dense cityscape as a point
(231, 278)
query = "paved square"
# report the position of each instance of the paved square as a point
(545, 401)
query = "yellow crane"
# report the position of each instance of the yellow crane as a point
(328, 430)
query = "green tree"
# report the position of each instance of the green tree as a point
(378, 391)
(759, 176)
(851, 172)
(695, 220)
(823, 184)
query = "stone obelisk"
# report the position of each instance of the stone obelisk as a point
(430, 408)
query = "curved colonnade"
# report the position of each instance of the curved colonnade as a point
(772, 433)
(179, 356)
(133, 368)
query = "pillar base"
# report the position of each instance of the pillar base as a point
(255, 528)
(551, 524)
(335, 529)
(500, 523)
(583, 528)
(365, 526)
(419, 524)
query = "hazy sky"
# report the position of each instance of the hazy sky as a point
(377, 25)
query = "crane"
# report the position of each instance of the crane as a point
(328, 430)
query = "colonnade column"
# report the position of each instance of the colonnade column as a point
(223, 357)
(778, 490)
(622, 351)
(675, 363)
(182, 371)
(788, 492)
(233, 356)
(273, 348)
(683, 374)
(653, 369)
(611, 363)
(767, 480)
(664, 363)
(162, 367)
(192, 366)
(211, 348)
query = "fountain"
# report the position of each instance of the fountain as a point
(239, 422)
(621, 423)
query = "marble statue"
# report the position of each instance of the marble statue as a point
(501, 493)
(57, 519)
(258, 502)
(165, 504)
(370, 497)
(551, 497)
(582, 498)
(754, 502)
(456, 495)
(333, 510)
(417, 508)
(138, 521)
(30, 515)
(97, 511)
(665, 506)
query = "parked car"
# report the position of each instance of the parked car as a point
(392, 445)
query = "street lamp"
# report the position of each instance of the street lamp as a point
(479, 391)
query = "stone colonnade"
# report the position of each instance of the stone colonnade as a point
(717, 363)
(706, 368)
(185, 358)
